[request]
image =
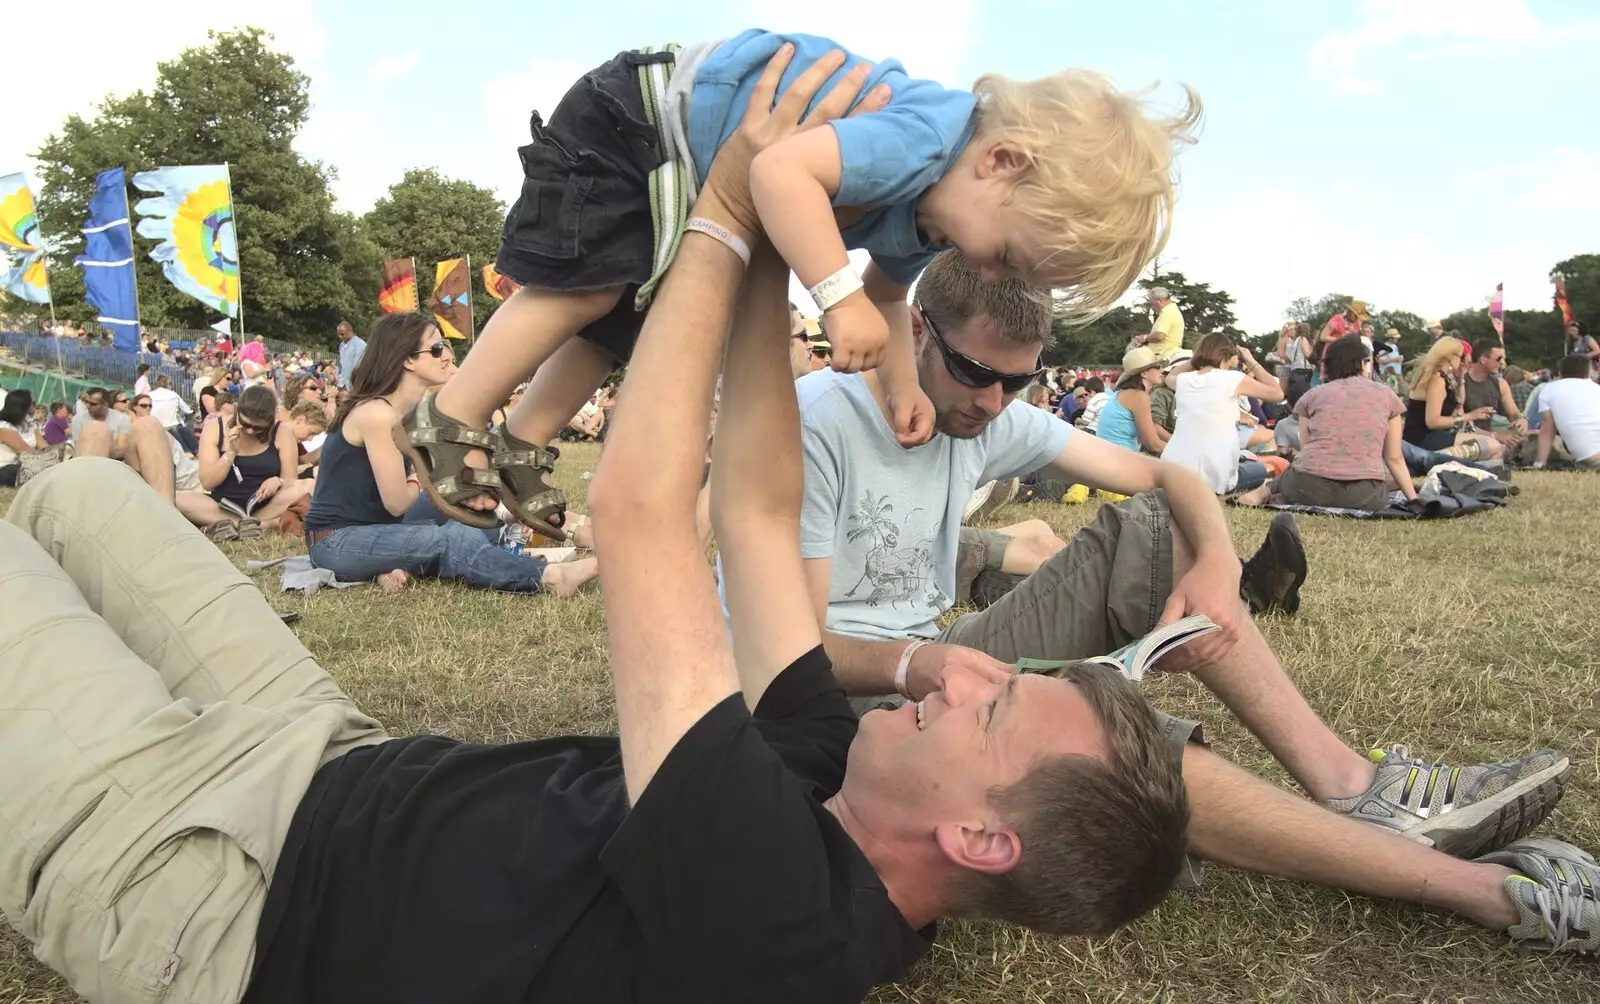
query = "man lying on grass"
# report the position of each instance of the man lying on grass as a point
(190, 809)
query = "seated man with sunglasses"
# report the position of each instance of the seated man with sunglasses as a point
(879, 531)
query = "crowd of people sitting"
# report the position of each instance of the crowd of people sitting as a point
(202, 814)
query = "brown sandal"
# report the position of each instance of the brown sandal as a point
(525, 487)
(437, 444)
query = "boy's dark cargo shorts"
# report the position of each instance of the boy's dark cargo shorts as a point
(583, 220)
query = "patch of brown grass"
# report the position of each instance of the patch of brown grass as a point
(1470, 640)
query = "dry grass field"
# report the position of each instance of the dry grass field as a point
(1469, 640)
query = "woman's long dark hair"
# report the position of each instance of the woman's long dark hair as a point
(391, 342)
(18, 407)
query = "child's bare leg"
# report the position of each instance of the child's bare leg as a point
(560, 387)
(524, 332)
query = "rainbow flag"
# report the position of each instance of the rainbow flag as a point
(398, 294)
(1561, 299)
(26, 278)
(1497, 311)
(451, 302)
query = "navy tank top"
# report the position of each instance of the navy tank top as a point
(346, 492)
(248, 473)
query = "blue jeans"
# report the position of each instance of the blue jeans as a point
(1252, 474)
(423, 548)
(1420, 461)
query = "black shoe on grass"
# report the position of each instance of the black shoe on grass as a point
(1271, 579)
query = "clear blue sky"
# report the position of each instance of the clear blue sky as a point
(1412, 152)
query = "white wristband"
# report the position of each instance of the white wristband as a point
(905, 664)
(718, 232)
(835, 287)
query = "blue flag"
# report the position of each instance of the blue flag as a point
(107, 260)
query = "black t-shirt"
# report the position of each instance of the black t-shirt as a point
(431, 870)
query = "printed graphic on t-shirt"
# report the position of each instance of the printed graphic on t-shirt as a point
(891, 573)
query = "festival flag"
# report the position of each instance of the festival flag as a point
(107, 260)
(398, 294)
(1561, 299)
(1497, 311)
(19, 236)
(451, 302)
(497, 285)
(192, 216)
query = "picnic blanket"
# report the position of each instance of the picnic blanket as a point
(1448, 491)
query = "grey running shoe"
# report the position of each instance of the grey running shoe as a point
(989, 499)
(1556, 893)
(1272, 578)
(1463, 811)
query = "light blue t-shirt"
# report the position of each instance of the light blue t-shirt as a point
(350, 354)
(888, 159)
(890, 518)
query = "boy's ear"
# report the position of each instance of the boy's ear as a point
(1002, 158)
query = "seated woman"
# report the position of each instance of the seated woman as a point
(1350, 427)
(17, 436)
(1433, 409)
(358, 527)
(1206, 439)
(247, 468)
(1126, 420)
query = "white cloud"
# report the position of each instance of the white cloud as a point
(1271, 246)
(1563, 181)
(1346, 60)
(395, 66)
(117, 48)
(930, 44)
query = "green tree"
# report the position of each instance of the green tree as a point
(1315, 313)
(431, 218)
(1102, 341)
(1205, 310)
(304, 265)
(1533, 337)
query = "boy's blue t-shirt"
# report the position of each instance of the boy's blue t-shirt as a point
(888, 158)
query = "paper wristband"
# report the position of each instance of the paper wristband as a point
(721, 233)
(835, 287)
(905, 664)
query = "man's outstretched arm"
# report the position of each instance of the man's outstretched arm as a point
(670, 657)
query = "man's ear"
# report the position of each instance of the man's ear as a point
(981, 847)
(919, 330)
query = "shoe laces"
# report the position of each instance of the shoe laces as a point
(1557, 907)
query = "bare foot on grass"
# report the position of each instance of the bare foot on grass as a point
(392, 582)
(567, 578)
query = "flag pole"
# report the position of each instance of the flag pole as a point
(472, 325)
(238, 246)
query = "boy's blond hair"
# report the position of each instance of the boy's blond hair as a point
(313, 412)
(1101, 183)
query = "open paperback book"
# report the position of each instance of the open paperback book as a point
(1134, 659)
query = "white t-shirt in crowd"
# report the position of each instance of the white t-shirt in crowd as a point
(168, 408)
(1206, 438)
(8, 456)
(120, 424)
(1575, 406)
(890, 518)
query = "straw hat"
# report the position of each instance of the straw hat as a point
(1136, 362)
(1359, 308)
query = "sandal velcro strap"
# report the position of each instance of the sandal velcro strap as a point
(460, 434)
(536, 458)
(469, 482)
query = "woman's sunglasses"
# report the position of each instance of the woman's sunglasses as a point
(436, 350)
(967, 370)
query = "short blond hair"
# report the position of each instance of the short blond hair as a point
(1101, 179)
(953, 293)
(314, 413)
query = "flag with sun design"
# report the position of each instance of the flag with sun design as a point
(451, 302)
(19, 239)
(191, 214)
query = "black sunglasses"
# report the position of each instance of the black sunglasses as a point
(969, 371)
(822, 353)
(436, 350)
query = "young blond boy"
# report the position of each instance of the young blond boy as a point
(1063, 181)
